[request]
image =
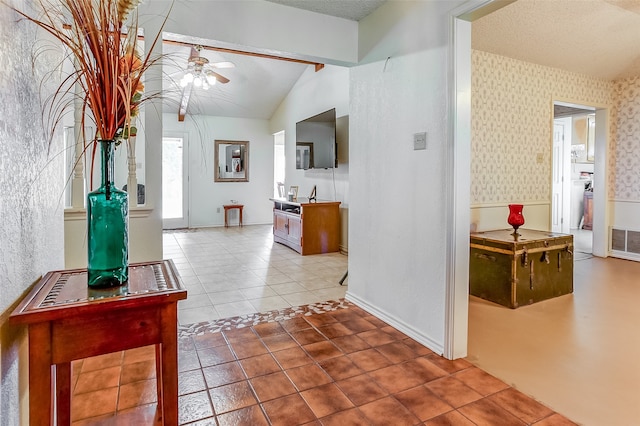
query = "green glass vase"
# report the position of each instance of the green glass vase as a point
(107, 227)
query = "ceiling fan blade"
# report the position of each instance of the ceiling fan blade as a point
(224, 64)
(220, 78)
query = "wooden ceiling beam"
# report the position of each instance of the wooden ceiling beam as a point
(184, 101)
(318, 66)
(186, 93)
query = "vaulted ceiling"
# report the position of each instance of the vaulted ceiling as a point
(257, 85)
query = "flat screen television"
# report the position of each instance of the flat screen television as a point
(316, 146)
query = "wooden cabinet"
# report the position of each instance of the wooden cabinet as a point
(308, 228)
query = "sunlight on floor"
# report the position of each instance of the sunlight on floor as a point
(240, 270)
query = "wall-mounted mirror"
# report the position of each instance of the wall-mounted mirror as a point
(232, 161)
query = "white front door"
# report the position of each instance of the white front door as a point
(174, 183)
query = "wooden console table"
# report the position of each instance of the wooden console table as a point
(67, 321)
(228, 207)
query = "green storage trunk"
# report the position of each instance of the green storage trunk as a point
(516, 271)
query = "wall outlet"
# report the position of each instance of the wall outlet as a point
(420, 141)
(218, 209)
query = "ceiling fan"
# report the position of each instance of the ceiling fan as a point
(200, 72)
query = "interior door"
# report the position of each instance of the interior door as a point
(560, 199)
(174, 183)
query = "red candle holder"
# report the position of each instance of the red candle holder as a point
(515, 219)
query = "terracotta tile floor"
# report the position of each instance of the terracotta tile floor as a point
(342, 367)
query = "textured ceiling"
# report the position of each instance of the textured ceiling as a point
(354, 10)
(600, 38)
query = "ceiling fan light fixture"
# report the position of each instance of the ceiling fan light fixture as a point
(186, 79)
(199, 72)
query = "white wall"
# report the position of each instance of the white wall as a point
(31, 200)
(398, 235)
(263, 26)
(316, 92)
(207, 196)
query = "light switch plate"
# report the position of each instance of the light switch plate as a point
(420, 141)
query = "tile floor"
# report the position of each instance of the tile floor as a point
(250, 354)
(583, 243)
(236, 271)
(341, 367)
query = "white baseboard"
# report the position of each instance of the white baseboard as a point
(396, 323)
(625, 255)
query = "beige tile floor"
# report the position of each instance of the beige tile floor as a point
(583, 243)
(235, 271)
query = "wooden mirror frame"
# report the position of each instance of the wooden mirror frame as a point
(243, 159)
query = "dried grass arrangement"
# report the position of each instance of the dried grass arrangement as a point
(100, 37)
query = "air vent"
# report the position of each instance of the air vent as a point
(633, 241)
(625, 243)
(618, 240)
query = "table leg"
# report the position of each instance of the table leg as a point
(169, 367)
(240, 216)
(40, 393)
(63, 393)
(159, 377)
(226, 223)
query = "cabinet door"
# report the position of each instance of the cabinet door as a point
(280, 226)
(295, 229)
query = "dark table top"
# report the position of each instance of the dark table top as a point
(62, 293)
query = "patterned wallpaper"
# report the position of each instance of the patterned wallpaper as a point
(625, 158)
(511, 105)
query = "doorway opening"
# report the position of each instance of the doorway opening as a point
(278, 164)
(174, 183)
(574, 143)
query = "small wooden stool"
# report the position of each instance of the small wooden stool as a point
(228, 207)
